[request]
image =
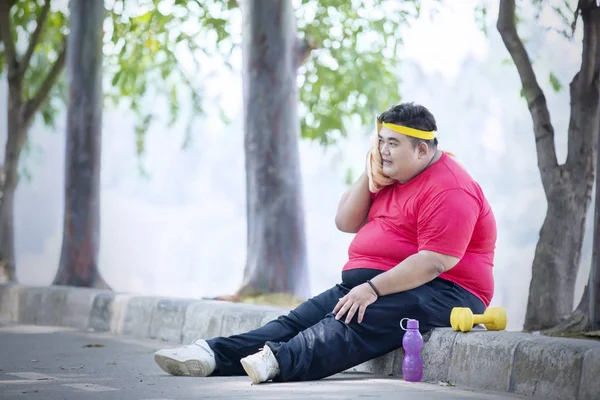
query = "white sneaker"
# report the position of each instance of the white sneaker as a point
(196, 359)
(261, 366)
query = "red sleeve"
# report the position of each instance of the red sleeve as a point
(445, 224)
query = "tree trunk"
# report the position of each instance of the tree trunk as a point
(7, 239)
(593, 301)
(276, 252)
(17, 132)
(557, 257)
(588, 310)
(590, 301)
(81, 232)
(580, 320)
(587, 314)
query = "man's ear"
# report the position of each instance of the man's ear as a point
(423, 149)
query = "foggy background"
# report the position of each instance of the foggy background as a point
(182, 231)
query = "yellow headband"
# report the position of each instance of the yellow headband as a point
(405, 130)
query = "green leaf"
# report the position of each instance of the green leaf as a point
(140, 133)
(555, 83)
(115, 78)
(481, 11)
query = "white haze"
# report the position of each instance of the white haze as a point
(183, 232)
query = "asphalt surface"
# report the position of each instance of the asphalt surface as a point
(56, 363)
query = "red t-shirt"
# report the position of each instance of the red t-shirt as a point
(442, 210)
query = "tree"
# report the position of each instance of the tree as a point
(140, 60)
(81, 231)
(342, 81)
(568, 186)
(29, 85)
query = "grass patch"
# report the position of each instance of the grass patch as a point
(282, 300)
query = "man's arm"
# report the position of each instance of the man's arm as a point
(413, 272)
(354, 205)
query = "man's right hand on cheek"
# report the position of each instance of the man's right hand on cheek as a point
(374, 168)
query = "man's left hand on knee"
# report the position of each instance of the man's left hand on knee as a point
(357, 300)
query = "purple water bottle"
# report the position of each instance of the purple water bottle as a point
(412, 342)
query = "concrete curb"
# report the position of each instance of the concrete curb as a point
(534, 365)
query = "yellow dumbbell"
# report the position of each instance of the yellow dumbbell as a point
(462, 319)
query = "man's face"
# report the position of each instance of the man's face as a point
(401, 160)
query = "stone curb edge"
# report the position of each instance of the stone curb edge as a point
(520, 363)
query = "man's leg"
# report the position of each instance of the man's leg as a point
(332, 346)
(221, 355)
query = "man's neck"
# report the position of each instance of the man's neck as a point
(436, 156)
(432, 160)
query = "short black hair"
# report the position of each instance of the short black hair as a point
(413, 116)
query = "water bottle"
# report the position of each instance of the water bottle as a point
(412, 342)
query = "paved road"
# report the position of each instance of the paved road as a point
(55, 363)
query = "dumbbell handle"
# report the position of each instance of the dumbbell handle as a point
(481, 319)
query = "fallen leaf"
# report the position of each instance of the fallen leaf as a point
(234, 298)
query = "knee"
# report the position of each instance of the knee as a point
(291, 319)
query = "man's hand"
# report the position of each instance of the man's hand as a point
(359, 298)
(374, 168)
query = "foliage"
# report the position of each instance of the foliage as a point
(24, 15)
(142, 51)
(565, 10)
(149, 46)
(353, 72)
(145, 44)
(480, 14)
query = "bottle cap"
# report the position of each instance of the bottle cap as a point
(410, 324)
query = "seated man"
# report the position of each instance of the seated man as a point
(425, 242)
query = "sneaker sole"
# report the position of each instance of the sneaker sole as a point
(250, 371)
(181, 368)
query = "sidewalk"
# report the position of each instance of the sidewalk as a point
(525, 364)
(55, 363)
